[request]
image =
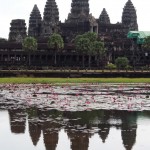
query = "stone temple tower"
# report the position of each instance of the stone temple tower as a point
(129, 17)
(50, 19)
(79, 20)
(35, 22)
(17, 30)
(104, 18)
(79, 11)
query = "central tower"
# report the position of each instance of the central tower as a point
(79, 10)
(79, 20)
(80, 6)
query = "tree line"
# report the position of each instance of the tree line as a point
(86, 44)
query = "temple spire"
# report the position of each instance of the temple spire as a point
(17, 30)
(51, 18)
(79, 10)
(35, 22)
(79, 6)
(51, 11)
(104, 18)
(129, 17)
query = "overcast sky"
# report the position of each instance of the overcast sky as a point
(21, 9)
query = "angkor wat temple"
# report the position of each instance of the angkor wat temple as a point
(78, 22)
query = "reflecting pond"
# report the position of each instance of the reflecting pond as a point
(80, 97)
(75, 117)
(39, 129)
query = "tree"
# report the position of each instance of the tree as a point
(82, 45)
(88, 44)
(99, 50)
(92, 36)
(56, 42)
(146, 47)
(29, 44)
(121, 62)
(146, 44)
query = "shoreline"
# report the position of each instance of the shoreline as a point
(33, 80)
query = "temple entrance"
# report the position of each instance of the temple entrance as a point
(94, 29)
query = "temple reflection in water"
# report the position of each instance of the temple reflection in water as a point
(79, 126)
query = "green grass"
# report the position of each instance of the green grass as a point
(27, 80)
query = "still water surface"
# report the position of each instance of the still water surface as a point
(39, 129)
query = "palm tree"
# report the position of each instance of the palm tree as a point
(29, 44)
(92, 36)
(56, 42)
(82, 45)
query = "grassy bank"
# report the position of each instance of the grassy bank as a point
(74, 80)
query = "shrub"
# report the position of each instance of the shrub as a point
(145, 68)
(121, 62)
(128, 67)
(111, 66)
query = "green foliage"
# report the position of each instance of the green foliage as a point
(87, 43)
(121, 62)
(145, 67)
(82, 44)
(55, 41)
(146, 44)
(92, 36)
(77, 39)
(29, 43)
(98, 47)
(111, 66)
(128, 67)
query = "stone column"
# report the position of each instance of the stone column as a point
(91, 30)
